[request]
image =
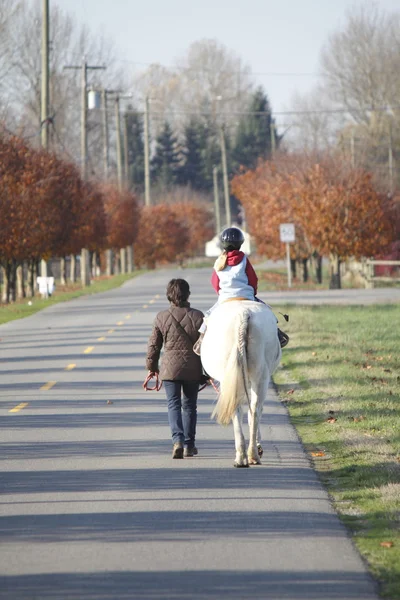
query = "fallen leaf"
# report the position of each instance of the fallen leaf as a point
(387, 544)
(110, 402)
(331, 420)
(313, 354)
(290, 391)
(317, 453)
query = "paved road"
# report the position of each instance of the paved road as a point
(92, 505)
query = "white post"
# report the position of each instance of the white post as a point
(289, 270)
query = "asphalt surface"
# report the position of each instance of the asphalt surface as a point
(92, 505)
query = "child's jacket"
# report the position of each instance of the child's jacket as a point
(237, 280)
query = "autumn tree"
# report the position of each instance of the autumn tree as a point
(196, 218)
(161, 238)
(336, 209)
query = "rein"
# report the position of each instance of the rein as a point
(157, 385)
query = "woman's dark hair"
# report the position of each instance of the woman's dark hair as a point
(178, 291)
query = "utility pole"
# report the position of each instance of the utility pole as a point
(44, 108)
(119, 142)
(390, 159)
(85, 269)
(225, 177)
(105, 132)
(44, 116)
(216, 201)
(126, 149)
(147, 198)
(273, 138)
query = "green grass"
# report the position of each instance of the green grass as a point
(21, 308)
(343, 364)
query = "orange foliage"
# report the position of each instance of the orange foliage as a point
(122, 216)
(335, 209)
(161, 238)
(45, 207)
(197, 220)
(265, 195)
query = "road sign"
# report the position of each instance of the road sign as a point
(286, 231)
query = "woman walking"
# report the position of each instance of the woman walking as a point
(176, 330)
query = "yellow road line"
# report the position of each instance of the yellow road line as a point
(101, 339)
(19, 407)
(88, 350)
(152, 301)
(145, 306)
(120, 323)
(111, 330)
(157, 296)
(70, 367)
(128, 317)
(48, 385)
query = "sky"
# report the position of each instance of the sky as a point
(280, 40)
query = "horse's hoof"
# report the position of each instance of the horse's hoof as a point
(260, 450)
(238, 466)
(253, 461)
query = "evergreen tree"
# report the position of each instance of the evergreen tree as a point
(135, 149)
(253, 137)
(165, 162)
(191, 172)
(200, 153)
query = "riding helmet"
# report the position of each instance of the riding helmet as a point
(232, 238)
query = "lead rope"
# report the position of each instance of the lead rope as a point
(157, 385)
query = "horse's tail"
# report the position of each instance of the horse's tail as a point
(234, 388)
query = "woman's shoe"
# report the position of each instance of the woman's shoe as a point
(177, 451)
(190, 451)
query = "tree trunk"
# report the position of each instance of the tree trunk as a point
(95, 270)
(19, 282)
(129, 253)
(85, 267)
(72, 267)
(335, 281)
(123, 260)
(4, 290)
(116, 263)
(305, 269)
(30, 280)
(318, 268)
(293, 267)
(13, 281)
(63, 271)
(109, 262)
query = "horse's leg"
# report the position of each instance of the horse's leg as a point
(240, 443)
(256, 405)
(258, 434)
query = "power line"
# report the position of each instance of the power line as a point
(271, 113)
(206, 70)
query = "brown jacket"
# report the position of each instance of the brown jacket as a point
(175, 329)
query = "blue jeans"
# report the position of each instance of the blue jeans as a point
(182, 411)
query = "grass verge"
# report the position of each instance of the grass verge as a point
(340, 378)
(22, 308)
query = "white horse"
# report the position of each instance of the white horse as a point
(241, 350)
